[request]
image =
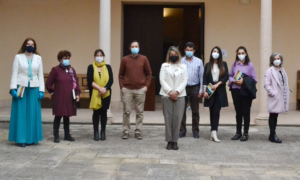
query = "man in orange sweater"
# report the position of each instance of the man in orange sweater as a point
(134, 79)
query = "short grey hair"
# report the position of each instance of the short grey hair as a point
(272, 58)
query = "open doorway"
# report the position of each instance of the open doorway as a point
(157, 27)
(181, 25)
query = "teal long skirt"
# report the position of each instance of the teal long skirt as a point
(26, 118)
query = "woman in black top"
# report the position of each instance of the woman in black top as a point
(215, 74)
(100, 80)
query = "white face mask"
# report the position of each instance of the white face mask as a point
(241, 57)
(277, 62)
(215, 55)
(99, 59)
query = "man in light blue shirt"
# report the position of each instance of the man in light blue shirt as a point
(194, 88)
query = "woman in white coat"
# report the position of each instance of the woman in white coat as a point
(26, 121)
(277, 87)
(173, 79)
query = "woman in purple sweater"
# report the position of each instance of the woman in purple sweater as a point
(242, 104)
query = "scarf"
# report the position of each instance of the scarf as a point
(96, 99)
(284, 88)
(29, 67)
(71, 72)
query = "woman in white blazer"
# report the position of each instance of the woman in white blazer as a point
(277, 87)
(27, 73)
(173, 79)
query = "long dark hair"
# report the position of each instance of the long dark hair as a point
(247, 59)
(22, 50)
(220, 62)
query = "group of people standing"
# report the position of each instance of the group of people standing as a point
(181, 78)
(184, 78)
(27, 89)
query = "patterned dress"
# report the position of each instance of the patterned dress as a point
(283, 79)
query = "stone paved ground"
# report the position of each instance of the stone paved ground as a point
(131, 159)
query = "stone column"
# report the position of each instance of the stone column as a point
(265, 53)
(105, 37)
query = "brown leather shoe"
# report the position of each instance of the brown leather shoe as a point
(138, 136)
(175, 146)
(125, 136)
(169, 146)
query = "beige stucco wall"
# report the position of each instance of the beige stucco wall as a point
(55, 25)
(286, 39)
(74, 25)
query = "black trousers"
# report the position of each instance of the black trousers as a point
(214, 111)
(66, 120)
(242, 107)
(100, 113)
(192, 93)
(273, 123)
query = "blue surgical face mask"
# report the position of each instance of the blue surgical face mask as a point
(189, 53)
(66, 62)
(135, 50)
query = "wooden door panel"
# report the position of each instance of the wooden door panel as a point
(144, 23)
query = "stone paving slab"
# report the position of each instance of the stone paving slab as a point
(84, 116)
(118, 159)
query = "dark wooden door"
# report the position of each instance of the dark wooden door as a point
(192, 27)
(144, 23)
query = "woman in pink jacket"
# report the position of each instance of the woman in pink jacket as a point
(276, 84)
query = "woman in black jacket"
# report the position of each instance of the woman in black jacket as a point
(100, 80)
(215, 75)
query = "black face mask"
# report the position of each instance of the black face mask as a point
(29, 49)
(174, 58)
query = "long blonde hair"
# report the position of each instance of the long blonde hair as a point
(173, 48)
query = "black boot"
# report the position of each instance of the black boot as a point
(272, 124)
(96, 135)
(245, 136)
(103, 138)
(237, 136)
(273, 138)
(56, 135)
(68, 137)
